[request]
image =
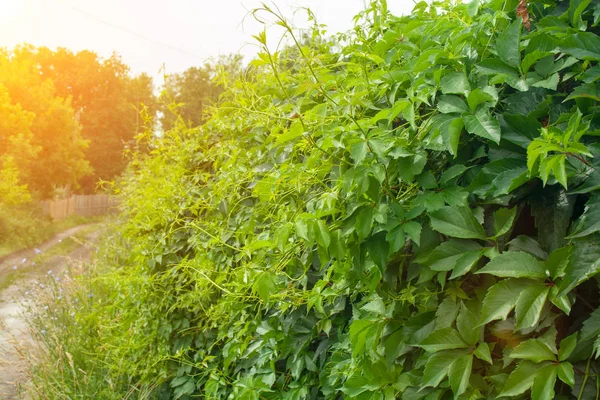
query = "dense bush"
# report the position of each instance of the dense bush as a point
(22, 226)
(408, 211)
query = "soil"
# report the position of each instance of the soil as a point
(15, 340)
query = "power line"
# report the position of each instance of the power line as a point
(129, 31)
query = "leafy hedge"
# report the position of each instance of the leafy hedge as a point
(412, 214)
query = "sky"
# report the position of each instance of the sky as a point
(151, 33)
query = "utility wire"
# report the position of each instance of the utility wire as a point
(127, 30)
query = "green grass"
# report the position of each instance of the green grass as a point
(63, 248)
(67, 245)
(10, 278)
(5, 249)
(45, 232)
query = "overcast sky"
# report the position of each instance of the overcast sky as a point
(150, 33)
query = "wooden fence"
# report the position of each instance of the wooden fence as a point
(83, 205)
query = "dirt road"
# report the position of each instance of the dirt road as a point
(14, 338)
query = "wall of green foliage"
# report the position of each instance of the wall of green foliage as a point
(408, 211)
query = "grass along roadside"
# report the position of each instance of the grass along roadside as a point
(44, 231)
(62, 247)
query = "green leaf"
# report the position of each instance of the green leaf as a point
(472, 8)
(455, 83)
(378, 248)
(507, 44)
(446, 313)
(563, 302)
(467, 325)
(503, 220)
(549, 83)
(543, 383)
(558, 261)
(358, 151)
(514, 264)
(396, 238)
(482, 124)
(529, 306)
(466, 262)
(438, 365)
(459, 374)
(452, 172)
(535, 149)
(576, 8)
(443, 339)
(519, 129)
(379, 147)
(322, 233)
(545, 65)
(413, 229)
(584, 263)
(520, 379)
(566, 347)
(375, 306)
(427, 180)
(398, 107)
(458, 222)
(302, 228)
(527, 244)
(362, 333)
(552, 215)
(501, 299)
(492, 66)
(556, 165)
(592, 183)
(585, 91)
(187, 388)
(591, 326)
(450, 132)
(264, 285)
(445, 256)
(566, 373)
(364, 222)
(294, 132)
(477, 97)
(483, 353)
(535, 350)
(582, 45)
(409, 167)
(451, 104)
(590, 75)
(499, 177)
(589, 222)
(356, 385)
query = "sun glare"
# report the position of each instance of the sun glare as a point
(10, 9)
(12, 13)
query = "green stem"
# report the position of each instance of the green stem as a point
(585, 378)
(580, 158)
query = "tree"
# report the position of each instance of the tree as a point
(16, 150)
(41, 127)
(189, 94)
(106, 99)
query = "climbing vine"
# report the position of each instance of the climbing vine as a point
(408, 210)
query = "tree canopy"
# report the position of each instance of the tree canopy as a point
(42, 136)
(67, 117)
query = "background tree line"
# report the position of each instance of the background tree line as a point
(66, 118)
